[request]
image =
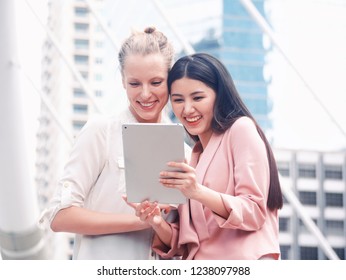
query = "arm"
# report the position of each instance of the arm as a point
(83, 221)
(86, 162)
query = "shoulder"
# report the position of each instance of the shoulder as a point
(243, 126)
(243, 133)
(97, 122)
(96, 125)
(243, 123)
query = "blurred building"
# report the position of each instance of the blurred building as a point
(240, 46)
(319, 181)
(243, 52)
(81, 41)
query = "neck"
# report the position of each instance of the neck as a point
(204, 138)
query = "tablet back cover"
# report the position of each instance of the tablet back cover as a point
(147, 149)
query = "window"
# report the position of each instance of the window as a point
(303, 228)
(333, 172)
(284, 224)
(81, 59)
(308, 198)
(340, 252)
(80, 108)
(81, 44)
(308, 253)
(77, 125)
(98, 77)
(99, 44)
(84, 74)
(78, 92)
(335, 227)
(98, 93)
(306, 170)
(285, 252)
(80, 11)
(334, 199)
(284, 169)
(98, 60)
(81, 27)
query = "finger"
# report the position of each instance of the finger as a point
(180, 165)
(171, 182)
(150, 212)
(141, 207)
(172, 174)
(132, 204)
(147, 208)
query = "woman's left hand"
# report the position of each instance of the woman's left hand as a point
(183, 180)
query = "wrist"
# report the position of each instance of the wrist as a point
(199, 192)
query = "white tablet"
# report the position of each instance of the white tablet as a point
(147, 149)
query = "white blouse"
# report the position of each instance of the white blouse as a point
(93, 178)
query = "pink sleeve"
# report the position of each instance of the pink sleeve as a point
(247, 207)
(168, 252)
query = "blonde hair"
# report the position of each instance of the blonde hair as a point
(149, 41)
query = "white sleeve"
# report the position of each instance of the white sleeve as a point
(86, 161)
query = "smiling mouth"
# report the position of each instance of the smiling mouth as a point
(147, 104)
(194, 119)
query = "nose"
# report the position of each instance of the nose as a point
(188, 108)
(145, 94)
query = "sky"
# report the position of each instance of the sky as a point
(312, 35)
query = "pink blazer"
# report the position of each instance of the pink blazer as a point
(234, 164)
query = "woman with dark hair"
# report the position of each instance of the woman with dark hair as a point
(232, 182)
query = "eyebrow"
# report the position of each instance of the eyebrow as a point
(193, 93)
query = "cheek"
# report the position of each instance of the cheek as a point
(176, 109)
(130, 92)
(162, 93)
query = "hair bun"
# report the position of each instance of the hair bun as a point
(149, 30)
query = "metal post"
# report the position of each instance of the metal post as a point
(20, 237)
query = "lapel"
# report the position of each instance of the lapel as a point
(201, 163)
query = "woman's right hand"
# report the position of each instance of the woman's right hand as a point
(149, 212)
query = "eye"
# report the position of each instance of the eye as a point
(156, 83)
(177, 100)
(134, 84)
(198, 98)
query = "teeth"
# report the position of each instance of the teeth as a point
(147, 104)
(194, 119)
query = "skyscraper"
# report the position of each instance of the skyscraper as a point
(75, 46)
(243, 53)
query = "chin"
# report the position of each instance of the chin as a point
(150, 117)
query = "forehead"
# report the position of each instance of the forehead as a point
(145, 66)
(187, 85)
